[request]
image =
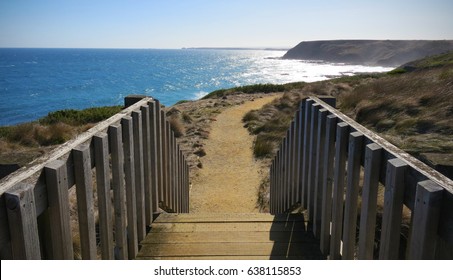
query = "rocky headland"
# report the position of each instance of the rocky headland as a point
(368, 52)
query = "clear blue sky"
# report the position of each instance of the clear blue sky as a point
(216, 23)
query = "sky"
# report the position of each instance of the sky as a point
(216, 23)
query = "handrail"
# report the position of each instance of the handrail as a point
(319, 167)
(119, 169)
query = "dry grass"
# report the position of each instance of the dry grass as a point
(412, 110)
(176, 125)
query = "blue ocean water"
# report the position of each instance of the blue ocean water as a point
(34, 82)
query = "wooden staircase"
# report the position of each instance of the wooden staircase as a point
(229, 236)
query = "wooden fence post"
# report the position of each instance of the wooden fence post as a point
(271, 188)
(306, 157)
(393, 207)
(58, 199)
(101, 154)
(428, 199)
(139, 177)
(312, 161)
(22, 222)
(319, 179)
(285, 173)
(129, 172)
(300, 150)
(168, 166)
(341, 147)
(85, 201)
(356, 140)
(299, 153)
(369, 201)
(147, 167)
(329, 153)
(119, 190)
(293, 171)
(156, 170)
(171, 197)
(164, 148)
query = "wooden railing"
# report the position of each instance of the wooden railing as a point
(124, 170)
(333, 167)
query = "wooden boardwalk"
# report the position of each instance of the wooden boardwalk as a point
(229, 236)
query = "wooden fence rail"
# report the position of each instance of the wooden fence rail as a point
(366, 199)
(108, 182)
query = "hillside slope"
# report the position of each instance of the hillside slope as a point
(368, 52)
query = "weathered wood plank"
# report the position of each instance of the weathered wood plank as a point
(319, 172)
(300, 175)
(369, 201)
(58, 199)
(164, 186)
(169, 150)
(227, 217)
(274, 197)
(180, 195)
(147, 169)
(101, 154)
(341, 147)
(22, 222)
(312, 161)
(287, 167)
(231, 249)
(85, 201)
(231, 227)
(425, 221)
(172, 193)
(187, 186)
(137, 125)
(119, 191)
(281, 179)
(159, 153)
(299, 152)
(292, 165)
(306, 148)
(393, 207)
(272, 187)
(129, 172)
(226, 237)
(352, 194)
(329, 153)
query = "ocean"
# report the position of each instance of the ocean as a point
(34, 82)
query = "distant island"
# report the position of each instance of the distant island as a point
(368, 52)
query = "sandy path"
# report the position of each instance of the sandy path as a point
(229, 179)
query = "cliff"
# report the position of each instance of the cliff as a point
(368, 52)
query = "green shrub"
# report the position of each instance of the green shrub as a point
(81, 117)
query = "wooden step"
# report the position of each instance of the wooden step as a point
(229, 236)
(227, 217)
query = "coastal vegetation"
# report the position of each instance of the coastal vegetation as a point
(21, 143)
(411, 106)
